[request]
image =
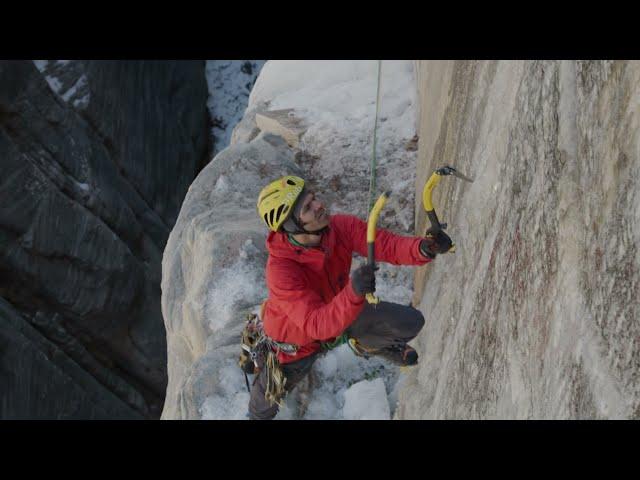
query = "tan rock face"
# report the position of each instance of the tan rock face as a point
(536, 315)
(212, 272)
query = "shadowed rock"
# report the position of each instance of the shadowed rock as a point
(88, 194)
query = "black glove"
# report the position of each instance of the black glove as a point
(436, 242)
(363, 280)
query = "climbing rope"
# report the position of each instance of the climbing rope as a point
(276, 380)
(372, 178)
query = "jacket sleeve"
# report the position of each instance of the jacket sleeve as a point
(305, 307)
(389, 247)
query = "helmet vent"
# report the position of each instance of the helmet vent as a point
(266, 219)
(279, 212)
(271, 217)
(262, 199)
(291, 182)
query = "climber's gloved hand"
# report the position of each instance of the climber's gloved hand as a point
(363, 280)
(436, 242)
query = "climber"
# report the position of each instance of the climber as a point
(312, 303)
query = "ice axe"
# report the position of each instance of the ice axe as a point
(371, 237)
(434, 179)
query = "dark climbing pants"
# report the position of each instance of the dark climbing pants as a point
(386, 325)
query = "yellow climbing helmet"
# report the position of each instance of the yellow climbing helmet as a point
(276, 200)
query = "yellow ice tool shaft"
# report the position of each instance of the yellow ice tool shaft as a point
(371, 237)
(428, 188)
(434, 179)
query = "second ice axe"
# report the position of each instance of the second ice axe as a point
(434, 179)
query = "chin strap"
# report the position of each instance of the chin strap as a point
(294, 227)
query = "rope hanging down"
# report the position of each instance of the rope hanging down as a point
(372, 179)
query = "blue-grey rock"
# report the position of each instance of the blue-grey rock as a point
(88, 194)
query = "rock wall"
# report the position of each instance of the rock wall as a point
(97, 157)
(212, 274)
(536, 315)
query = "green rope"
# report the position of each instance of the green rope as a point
(326, 346)
(372, 180)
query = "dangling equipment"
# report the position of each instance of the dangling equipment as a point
(260, 350)
(434, 179)
(371, 238)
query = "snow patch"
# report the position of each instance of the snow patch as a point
(54, 83)
(229, 82)
(337, 99)
(240, 284)
(81, 102)
(367, 400)
(41, 64)
(231, 403)
(59, 74)
(72, 91)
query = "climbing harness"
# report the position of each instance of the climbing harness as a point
(260, 351)
(276, 381)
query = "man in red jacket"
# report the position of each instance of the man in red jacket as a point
(313, 303)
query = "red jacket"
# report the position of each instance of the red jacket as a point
(310, 294)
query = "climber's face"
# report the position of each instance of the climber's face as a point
(313, 214)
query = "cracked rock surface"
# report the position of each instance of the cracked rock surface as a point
(96, 157)
(536, 315)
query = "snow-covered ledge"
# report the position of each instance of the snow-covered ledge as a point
(213, 265)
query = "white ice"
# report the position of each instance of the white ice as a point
(229, 82)
(366, 400)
